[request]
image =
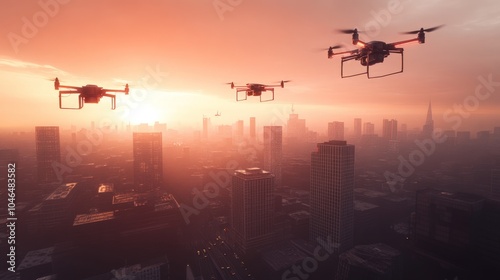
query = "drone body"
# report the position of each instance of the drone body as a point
(253, 89)
(87, 94)
(370, 53)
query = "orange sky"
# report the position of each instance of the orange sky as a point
(198, 47)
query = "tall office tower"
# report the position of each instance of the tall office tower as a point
(332, 195)
(296, 128)
(252, 128)
(273, 151)
(390, 129)
(239, 129)
(368, 128)
(148, 161)
(428, 127)
(252, 209)
(206, 122)
(336, 131)
(357, 127)
(48, 150)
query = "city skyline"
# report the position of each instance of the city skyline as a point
(165, 87)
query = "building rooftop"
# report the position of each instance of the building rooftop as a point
(36, 258)
(377, 258)
(300, 215)
(363, 206)
(106, 188)
(368, 193)
(93, 218)
(61, 192)
(252, 173)
(282, 257)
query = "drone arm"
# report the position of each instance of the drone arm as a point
(403, 42)
(68, 91)
(61, 86)
(349, 52)
(360, 44)
(113, 90)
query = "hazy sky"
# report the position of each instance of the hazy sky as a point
(177, 55)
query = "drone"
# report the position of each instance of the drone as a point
(373, 52)
(88, 94)
(218, 114)
(256, 90)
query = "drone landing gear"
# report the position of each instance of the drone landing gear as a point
(113, 100)
(272, 90)
(367, 72)
(237, 95)
(80, 102)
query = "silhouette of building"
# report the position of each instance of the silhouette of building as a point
(273, 151)
(252, 128)
(332, 194)
(252, 209)
(368, 128)
(148, 160)
(206, 124)
(357, 127)
(428, 127)
(48, 151)
(390, 129)
(336, 131)
(374, 261)
(239, 129)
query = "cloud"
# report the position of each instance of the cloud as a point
(10, 64)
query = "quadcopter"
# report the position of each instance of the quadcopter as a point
(256, 90)
(218, 114)
(373, 52)
(88, 94)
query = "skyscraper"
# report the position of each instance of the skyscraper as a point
(252, 209)
(336, 131)
(148, 162)
(206, 122)
(368, 128)
(239, 129)
(428, 127)
(48, 150)
(357, 127)
(273, 151)
(332, 194)
(390, 129)
(252, 128)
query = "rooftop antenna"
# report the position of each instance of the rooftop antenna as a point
(292, 109)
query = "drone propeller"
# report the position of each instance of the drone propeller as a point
(423, 30)
(326, 49)
(349, 31)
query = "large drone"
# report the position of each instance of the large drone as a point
(370, 53)
(256, 90)
(88, 94)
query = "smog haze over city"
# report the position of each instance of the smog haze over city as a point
(170, 165)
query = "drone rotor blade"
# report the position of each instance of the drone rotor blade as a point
(425, 30)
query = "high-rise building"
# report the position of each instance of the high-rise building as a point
(48, 151)
(148, 161)
(368, 128)
(428, 127)
(206, 123)
(390, 129)
(252, 128)
(239, 129)
(273, 151)
(357, 127)
(332, 194)
(336, 131)
(252, 209)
